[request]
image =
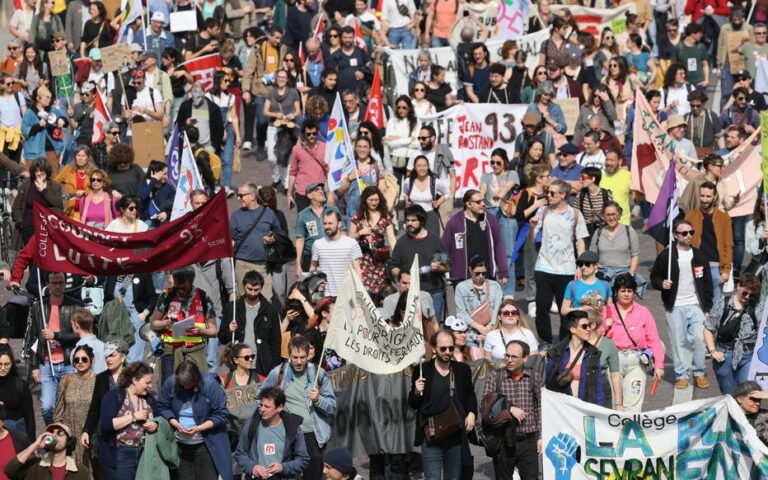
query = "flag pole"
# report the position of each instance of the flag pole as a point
(319, 367)
(42, 319)
(234, 303)
(671, 220)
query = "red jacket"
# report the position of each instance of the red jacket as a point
(696, 8)
(23, 260)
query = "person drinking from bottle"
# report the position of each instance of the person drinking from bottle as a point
(57, 443)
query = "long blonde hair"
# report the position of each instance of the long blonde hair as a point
(522, 323)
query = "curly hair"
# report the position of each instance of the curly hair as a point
(120, 153)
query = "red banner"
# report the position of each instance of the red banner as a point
(202, 69)
(64, 245)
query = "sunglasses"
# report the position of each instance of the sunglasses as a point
(247, 357)
(510, 313)
(80, 360)
(446, 349)
(685, 233)
(741, 99)
(97, 180)
(289, 60)
(541, 73)
(585, 326)
(116, 132)
(241, 195)
(584, 264)
(754, 399)
(132, 208)
(310, 134)
(423, 139)
(333, 36)
(497, 163)
(746, 294)
(477, 274)
(552, 194)
(418, 90)
(695, 105)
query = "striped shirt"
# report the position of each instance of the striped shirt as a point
(332, 257)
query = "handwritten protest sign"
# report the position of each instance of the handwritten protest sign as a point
(114, 56)
(59, 63)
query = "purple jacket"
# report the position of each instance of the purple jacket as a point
(454, 243)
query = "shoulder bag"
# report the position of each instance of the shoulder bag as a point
(482, 313)
(438, 427)
(565, 377)
(248, 232)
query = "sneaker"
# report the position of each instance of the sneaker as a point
(230, 192)
(682, 384)
(553, 308)
(532, 309)
(247, 146)
(261, 155)
(636, 212)
(701, 381)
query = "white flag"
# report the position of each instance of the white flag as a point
(339, 155)
(189, 179)
(359, 334)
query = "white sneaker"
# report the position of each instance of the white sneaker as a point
(531, 309)
(553, 308)
(636, 212)
(247, 146)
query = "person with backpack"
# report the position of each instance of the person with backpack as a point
(591, 200)
(184, 302)
(617, 245)
(518, 432)
(422, 187)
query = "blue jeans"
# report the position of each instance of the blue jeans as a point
(402, 38)
(19, 426)
(441, 462)
(136, 352)
(717, 287)
(437, 300)
(739, 225)
(50, 385)
(439, 42)
(227, 155)
(127, 461)
(508, 229)
(727, 376)
(686, 328)
(212, 350)
(726, 84)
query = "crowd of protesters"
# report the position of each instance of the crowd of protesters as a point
(551, 232)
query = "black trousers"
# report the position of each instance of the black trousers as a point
(547, 287)
(195, 463)
(398, 466)
(523, 456)
(314, 470)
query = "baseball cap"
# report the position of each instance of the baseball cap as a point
(314, 185)
(135, 47)
(148, 54)
(158, 17)
(60, 425)
(95, 54)
(531, 118)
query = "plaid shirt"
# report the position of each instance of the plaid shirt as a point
(518, 392)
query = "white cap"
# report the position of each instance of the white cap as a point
(135, 47)
(158, 17)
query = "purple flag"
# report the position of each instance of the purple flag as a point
(665, 210)
(173, 158)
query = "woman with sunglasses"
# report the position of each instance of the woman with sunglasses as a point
(238, 358)
(98, 207)
(478, 298)
(668, 42)
(633, 331)
(608, 49)
(291, 65)
(127, 414)
(600, 103)
(539, 76)
(573, 365)
(74, 398)
(75, 179)
(402, 129)
(730, 332)
(44, 24)
(331, 41)
(421, 106)
(114, 354)
(226, 101)
(510, 325)
(622, 85)
(129, 207)
(422, 187)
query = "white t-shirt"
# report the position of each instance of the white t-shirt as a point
(495, 343)
(116, 226)
(332, 258)
(424, 198)
(22, 20)
(392, 15)
(586, 160)
(686, 289)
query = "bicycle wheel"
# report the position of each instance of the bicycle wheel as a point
(6, 230)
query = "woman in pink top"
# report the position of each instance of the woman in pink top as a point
(98, 208)
(633, 329)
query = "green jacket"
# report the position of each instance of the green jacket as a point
(161, 452)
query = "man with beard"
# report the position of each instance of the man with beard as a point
(334, 252)
(736, 24)
(616, 180)
(441, 163)
(565, 87)
(418, 241)
(713, 235)
(349, 60)
(308, 223)
(476, 77)
(314, 402)
(54, 463)
(498, 91)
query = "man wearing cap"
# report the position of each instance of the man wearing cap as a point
(159, 80)
(158, 39)
(96, 73)
(676, 129)
(567, 169)
(565, 86)
(587, 293)
(740, 112)
(742, 78)
(144, 101)
(337, 465)
(55, 463)
(81, 114)
(307, 165)
(534, 130)
(498, 91)
(476, 77)
(309, 224)
(63, 84)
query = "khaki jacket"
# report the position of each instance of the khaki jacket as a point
(255, 69)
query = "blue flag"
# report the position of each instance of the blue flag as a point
(173, 158)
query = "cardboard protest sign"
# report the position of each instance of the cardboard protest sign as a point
(570, 107)
(148, 142)
(114, 56)
(59, 63)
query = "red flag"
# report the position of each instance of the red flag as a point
(359, 39)
(100, 118)
(17, 4)
(65, 245)
(301, 53)
(379, 8)
(375, 110)
(202, 68)
(318, 33)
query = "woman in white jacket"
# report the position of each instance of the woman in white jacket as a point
(402, 132)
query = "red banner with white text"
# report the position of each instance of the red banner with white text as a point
(65, 245)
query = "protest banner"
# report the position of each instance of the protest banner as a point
(571, 108)
(202, 69)
(652, 151)
(359, 334)
(114, 56)
(403, 62)
(758, 367)
(65, 245)
(511, 19)
(59, 63)
(183, 21)
(473, 131)
(708, 438)
(593, 20)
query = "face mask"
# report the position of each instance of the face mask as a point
(197, 95)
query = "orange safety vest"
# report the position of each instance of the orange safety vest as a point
(176, 314)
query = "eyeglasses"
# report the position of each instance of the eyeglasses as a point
(132, 208)
(80, 360)
(584, 264)
(741, 99)
(247, 357)
(123, 162)
(685, 233)
(310, 134)
(695, 105)
(552, 193)
(419, 90)
(609, 38)
(402, 107)
(510, 313)
(541, 73)
(333, 36)
(55, 40)
(116, 132)
(364, 133)
(512, 357)
(481, 273)
(497, 163)
(449, 348)
(289, 60)
(423, 139)
(585, 326)
(241, 195)
(96, 180)
(761, 33)
(13, 48)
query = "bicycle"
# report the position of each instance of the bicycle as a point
(6, 222)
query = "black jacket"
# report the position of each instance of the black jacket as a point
(266, 328)
(144, 295)
(100, 389)
(465, 391)
(216, 123)
(65, 336)
(593, 383)
(702, 278)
